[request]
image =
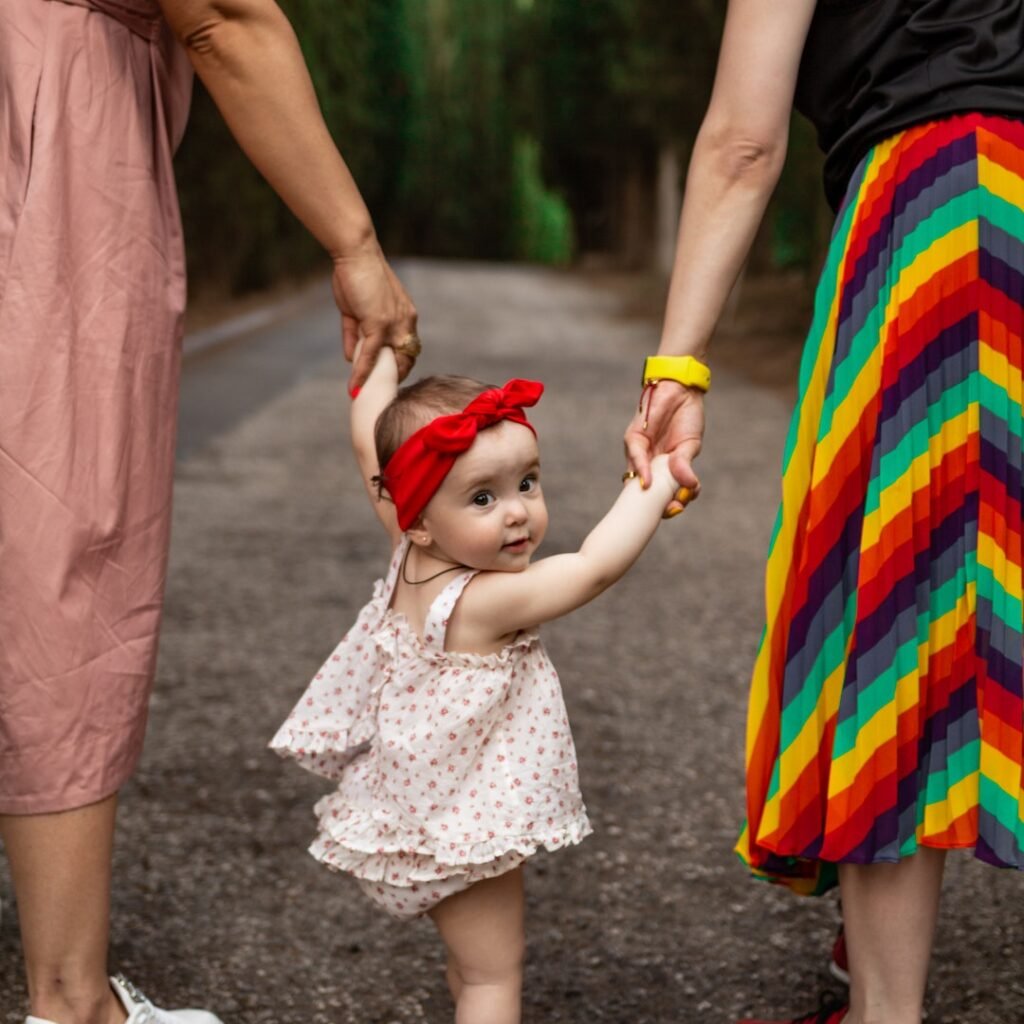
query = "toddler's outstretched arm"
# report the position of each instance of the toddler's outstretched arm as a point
(380, 388)
(505, 602)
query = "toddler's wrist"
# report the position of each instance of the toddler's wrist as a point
(661, 475)
(382, 380)
(660, 466)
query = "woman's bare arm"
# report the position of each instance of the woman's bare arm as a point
(247, 56)
(736, 162)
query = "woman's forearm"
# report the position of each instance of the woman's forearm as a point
(735, 165)
(728, 187)
(247, 56)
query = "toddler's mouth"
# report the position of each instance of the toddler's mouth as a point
(516, 545)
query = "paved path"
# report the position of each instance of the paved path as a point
(650, 920)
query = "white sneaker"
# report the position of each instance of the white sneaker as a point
(142, 1011)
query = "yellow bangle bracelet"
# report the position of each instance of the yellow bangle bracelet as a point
(686, 370)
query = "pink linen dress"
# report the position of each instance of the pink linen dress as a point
(93, 100)
(451, 767)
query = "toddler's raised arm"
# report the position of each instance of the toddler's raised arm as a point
(507, 602)
(380, 388)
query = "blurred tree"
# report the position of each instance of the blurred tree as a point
(500, 129)
(619, 82)
(616, 82)
(458, 176)
(666, 63)
(239, 235)
(566, 56)
(799, 218)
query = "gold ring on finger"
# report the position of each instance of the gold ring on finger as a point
(410, 346)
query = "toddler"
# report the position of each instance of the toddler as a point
(439, 714)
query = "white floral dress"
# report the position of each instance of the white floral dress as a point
(451, 767)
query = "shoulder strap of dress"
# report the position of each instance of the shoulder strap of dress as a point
(395, 568)
(436, 624)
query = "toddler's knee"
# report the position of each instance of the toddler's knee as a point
(502, 968)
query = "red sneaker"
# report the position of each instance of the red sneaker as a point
(839, 968)
(830, 1012)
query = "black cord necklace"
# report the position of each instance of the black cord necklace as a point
(417, 583)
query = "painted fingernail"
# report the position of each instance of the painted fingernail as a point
(354, 392)
(684, 494)
(672, 513)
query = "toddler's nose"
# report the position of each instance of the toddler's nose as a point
(516, 511)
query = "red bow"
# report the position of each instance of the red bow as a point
(420, 464)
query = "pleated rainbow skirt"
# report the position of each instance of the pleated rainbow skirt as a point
(886, 706)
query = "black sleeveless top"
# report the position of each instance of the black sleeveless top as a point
(871, 68)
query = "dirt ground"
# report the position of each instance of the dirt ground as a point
(652, 919)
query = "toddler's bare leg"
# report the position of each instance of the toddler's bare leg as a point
(452, 977)
(60, 865)
(890, 912)
(483, 931)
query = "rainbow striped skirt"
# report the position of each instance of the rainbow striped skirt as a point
(886, 707)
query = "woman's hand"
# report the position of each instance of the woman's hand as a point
(736, 160)
(375, 310)
(670, 420)
(249, 59)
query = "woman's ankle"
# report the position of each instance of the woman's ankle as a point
(62, 1005)
(880, 1016)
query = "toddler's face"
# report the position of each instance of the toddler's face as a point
(489, 513)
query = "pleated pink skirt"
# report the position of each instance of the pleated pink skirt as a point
(93, 100)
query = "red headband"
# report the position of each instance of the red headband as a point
(420, 464)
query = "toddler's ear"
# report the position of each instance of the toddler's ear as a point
(419, 534)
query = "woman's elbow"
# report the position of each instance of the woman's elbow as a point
(740, 156)
(201, 24)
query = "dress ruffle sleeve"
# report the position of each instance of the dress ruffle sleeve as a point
(335, 719)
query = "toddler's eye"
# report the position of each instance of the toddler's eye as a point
(528, 484)
(482, 499)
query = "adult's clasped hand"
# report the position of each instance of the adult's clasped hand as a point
(683, 496)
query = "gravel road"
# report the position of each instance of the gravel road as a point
(653, 918)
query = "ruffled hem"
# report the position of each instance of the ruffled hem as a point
(406, 870)
(302, 743)
(325, 752)
(353, 840)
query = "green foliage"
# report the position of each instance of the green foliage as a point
(668, 63)
(617, 80)
(581, 122)
(543, 223)
(798, 212)
(457, 176)
(481, 128)
(229, 213)
(239, 235)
